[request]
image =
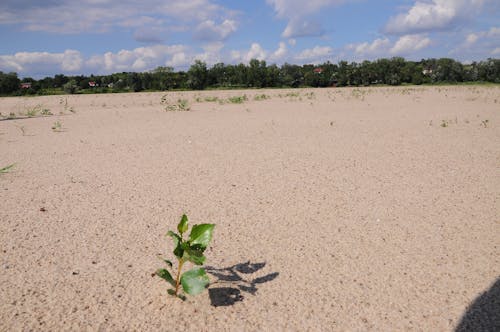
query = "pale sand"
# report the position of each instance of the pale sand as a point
(367, 213)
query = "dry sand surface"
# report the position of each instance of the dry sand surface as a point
(357, 209)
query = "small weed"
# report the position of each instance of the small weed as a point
(211, 99)
(181, 105)
(237, 99)
(292, 94)
(32, 112)
(484, 123)
(191, 250)
(46, 112)
(6, 169)
(57, 126)
(261, 97)
(12, 115)
(444, 123)
(310, 95)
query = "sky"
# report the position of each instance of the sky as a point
(44, 38)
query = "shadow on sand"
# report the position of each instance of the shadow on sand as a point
(233, 282)
(484, 314)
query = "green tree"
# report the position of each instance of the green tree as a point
(198, 75)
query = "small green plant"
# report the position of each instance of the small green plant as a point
(46, 112)
(484, 123)
(211, 99)
(444, 123)
(237, 99)
(32, 112)
(57, 126)
(261, 97)
(181, 105)
(191, 250)
(6, 169)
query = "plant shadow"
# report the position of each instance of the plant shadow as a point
(484, 313)
(234, 281)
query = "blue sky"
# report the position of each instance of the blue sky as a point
(43, 38)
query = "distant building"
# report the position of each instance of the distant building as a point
(26, 85)
(427, 71)
(93, 84)
(318, 70)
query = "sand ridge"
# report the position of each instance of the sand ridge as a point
(335, 209)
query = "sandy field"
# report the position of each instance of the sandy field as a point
(340, 209)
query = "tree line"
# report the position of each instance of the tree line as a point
(258, 74)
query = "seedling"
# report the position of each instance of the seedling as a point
(191, 250)
(237, 99)
(182, 104)
(6, 169)
(57, 126)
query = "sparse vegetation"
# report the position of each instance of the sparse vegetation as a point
(180, 105)
(261, 97)
(191, 250)
(7, 169)
(57, 126)
(237, 99)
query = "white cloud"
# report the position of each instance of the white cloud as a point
(496, 51)
(297, 13)
(434, 15)
(138, 59)
(42, 63)
(301, 28)
(280, 54)
(315, 55)
(478, 44)
(377, 47)
(209, 31)
(147, 16)
(410, 43)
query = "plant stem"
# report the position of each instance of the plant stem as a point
(177, 282)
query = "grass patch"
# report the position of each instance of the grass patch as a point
(7, 169)
(180, 105)
(237, 99)
(261, 97)
(57, 126)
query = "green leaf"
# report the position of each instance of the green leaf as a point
(171, 292)
(183, 224)
(194, 281)
(201, 235)
(169, 263)
(178, 251)
(194, 256)
(164, 274)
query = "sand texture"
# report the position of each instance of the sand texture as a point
(340, 209)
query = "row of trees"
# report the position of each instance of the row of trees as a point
(257, 74)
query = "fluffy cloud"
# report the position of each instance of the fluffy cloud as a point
(479, 43)
(434, 15)
(382, 47)
(255, 52)
(151, 17)
(409, 43)
(314, 55)
(42, 63)
(209, 31)
(377, 47)
(280, 54)
(139, 59)
(297, 13)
